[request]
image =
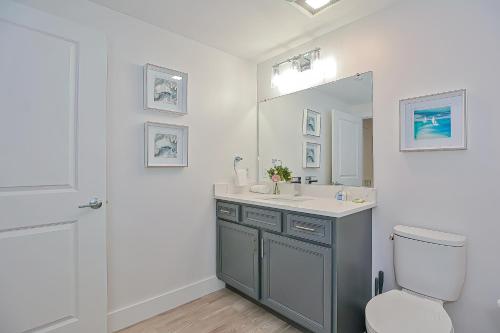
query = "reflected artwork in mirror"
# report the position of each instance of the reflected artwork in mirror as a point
(323, 133)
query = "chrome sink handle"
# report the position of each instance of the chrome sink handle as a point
(94, 203)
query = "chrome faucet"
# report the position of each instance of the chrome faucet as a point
(311, 179)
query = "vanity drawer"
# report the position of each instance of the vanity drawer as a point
(311, 228)
(228, 211)
(262, 218)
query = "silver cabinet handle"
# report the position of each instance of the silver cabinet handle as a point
(304, 228)
(94, 203)
(224, 211)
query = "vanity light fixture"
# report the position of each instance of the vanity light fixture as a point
(302, 71)
(312, 7)
(299, 63)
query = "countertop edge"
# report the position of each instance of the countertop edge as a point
(327, 213)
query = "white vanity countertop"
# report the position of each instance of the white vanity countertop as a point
(317, 205)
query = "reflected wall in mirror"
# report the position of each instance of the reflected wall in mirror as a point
(322, 134)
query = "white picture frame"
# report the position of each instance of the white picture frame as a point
(165, 145)
(311, 156)
(311, 123)
(165, 90)
(433, 122)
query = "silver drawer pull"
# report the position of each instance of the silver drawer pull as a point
(260, 221)
(304, 228)
(225, 211)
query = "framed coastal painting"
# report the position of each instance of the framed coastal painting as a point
(165, 89)
(311, 123)
(166, 145)
(311, 155)
(434, 122)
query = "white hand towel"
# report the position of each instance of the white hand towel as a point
(241, 177)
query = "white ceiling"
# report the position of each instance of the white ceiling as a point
(250, 29)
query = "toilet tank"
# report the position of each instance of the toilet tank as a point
(429, 262)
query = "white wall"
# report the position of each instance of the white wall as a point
(161, 223)
(413, 49)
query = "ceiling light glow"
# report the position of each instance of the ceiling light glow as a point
(316, 4)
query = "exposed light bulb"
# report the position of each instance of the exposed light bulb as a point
(275, 76)
(317, 4)
(314, 59)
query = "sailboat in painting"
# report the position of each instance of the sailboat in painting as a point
(432, 123)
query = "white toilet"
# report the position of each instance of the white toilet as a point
(430, 267)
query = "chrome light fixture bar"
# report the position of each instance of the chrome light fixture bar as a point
(303, 71)
(301, 62)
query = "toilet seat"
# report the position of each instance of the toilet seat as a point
(401, 312)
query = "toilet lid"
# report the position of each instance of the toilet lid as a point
(397, 311)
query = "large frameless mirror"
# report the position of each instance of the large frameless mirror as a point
(324, 134)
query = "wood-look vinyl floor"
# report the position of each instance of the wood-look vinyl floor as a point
(220, 312)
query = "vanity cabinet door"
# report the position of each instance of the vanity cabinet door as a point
(238, 257)
(297, 281)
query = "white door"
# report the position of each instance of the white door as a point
(347, 149)
(52, 159)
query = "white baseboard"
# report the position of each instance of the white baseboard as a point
(132, 314)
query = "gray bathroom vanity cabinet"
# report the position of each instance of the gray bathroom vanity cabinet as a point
(313, 270)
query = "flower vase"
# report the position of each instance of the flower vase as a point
(276, 188)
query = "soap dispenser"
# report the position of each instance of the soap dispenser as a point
(341, 195)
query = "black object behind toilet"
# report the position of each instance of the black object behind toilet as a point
(379, 283)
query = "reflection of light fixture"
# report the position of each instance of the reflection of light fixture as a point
(178, 78)
(301, 71)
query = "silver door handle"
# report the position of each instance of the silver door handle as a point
(94, 203)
